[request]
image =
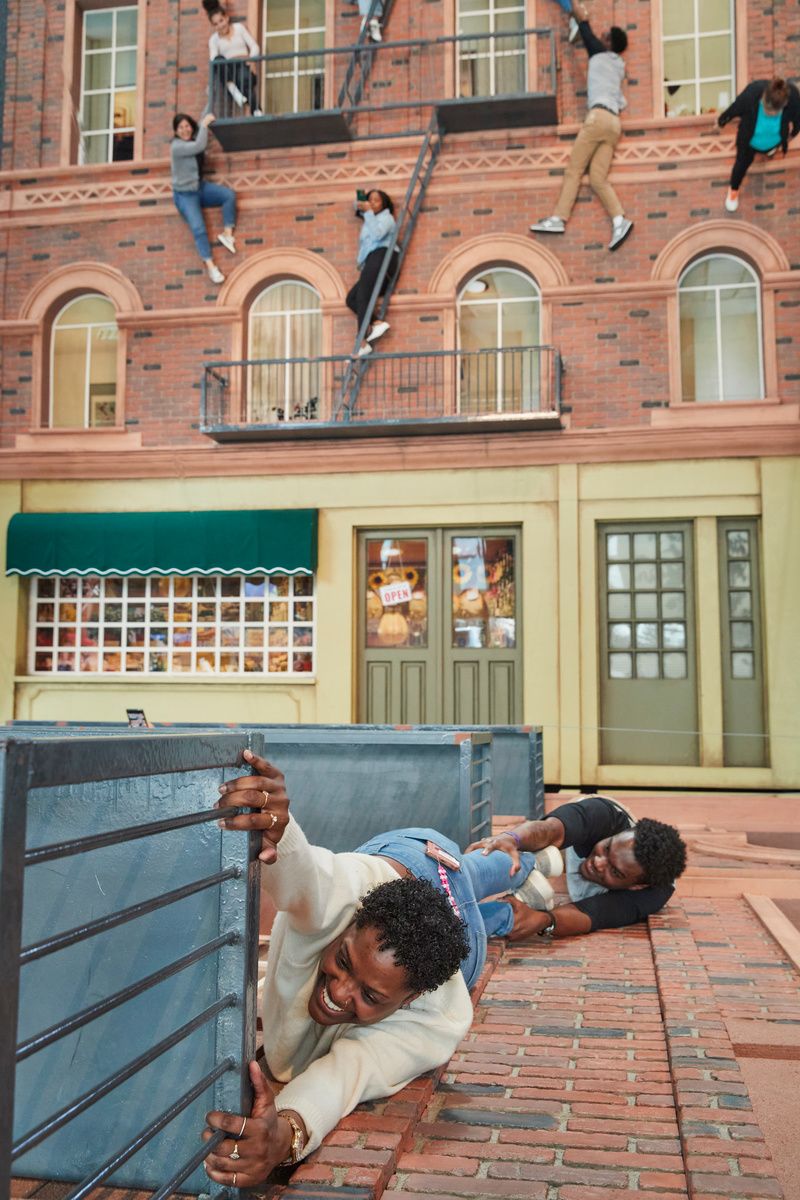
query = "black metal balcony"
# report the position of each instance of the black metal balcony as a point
(472, 81)
(445, 391)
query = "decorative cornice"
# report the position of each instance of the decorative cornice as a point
(433, 453)
(163, 318)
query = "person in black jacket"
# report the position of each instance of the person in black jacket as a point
(618, 870)
(769, 114)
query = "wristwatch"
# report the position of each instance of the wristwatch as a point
(549, 928)
(298, 1140)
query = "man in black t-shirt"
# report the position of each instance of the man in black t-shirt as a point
(618, 870)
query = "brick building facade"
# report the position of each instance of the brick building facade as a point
(627, 445)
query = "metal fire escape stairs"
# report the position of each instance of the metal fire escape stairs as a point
(404, 231)
(361, 61)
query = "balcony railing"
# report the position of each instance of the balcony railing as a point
(320, 93)
(403, 393)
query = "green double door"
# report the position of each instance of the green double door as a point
(439, 628)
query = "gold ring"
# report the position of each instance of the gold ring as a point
(241, 1131)
(234, 1179)
(274, 820)
(266, 799)
(235, 1152)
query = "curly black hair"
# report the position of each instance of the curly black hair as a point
(659, 850)
(619, 39)
(414, 920)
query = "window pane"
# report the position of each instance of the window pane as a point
(743, 666)
(672, 575)
(672, 604)
(679, 99)
(644, 545)
(674, 635)
(679, 60)
(741, 604)
(712, 14)
(670, 545)
(674, 665)
(677, 17)
(717, 269)
(619, 604)
(126, 26)
(741, 349)
(483, 592)
(645, 575)
(97, 71)
(99, 26)
(647, 666)
(396, 601)
(619, 636)
(738, 543)
(715, 96)
(620, 666)
(618, 545)
(647, 635)
(742, 635)
(739, 574)
(126, 68)
(68, 384)
(647, 604)
(698, 336)
(619, 576)
(715, 56)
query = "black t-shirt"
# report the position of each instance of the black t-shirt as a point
(585, 824)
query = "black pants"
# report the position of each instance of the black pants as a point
(236, 71)
(744, 161)
(359, 294)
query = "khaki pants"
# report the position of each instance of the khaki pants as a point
(594, 148)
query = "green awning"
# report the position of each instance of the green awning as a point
(245, 542)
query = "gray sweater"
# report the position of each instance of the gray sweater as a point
(185, 169)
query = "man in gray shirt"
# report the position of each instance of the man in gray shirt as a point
(594, 145)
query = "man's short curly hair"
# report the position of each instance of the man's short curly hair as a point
(414, 919)
(659, 850)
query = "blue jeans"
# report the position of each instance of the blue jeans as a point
(365, 5)
(566, 5)
(481, 875)
(191, 204)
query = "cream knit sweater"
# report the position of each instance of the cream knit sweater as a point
(331, 1069)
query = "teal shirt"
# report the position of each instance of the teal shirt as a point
(767, 133)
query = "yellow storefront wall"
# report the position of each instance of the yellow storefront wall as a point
(557, 509)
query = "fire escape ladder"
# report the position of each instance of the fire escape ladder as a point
(404, 231)
(361, 61)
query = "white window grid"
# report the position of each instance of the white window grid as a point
(655, 644)
(494, 19)
(112, 90)
(740, 583)
(308, 375)
(276, 42)
(182, 644)
(697, 37)
(465, 300)
(89, 326)
(717, 289)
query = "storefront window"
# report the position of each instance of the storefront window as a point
(397, 592)
(483, 590)
(238, 624)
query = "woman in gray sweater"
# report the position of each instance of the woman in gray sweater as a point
(192, 193)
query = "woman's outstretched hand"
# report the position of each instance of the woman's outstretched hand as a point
(264, 791)
(259, 1142)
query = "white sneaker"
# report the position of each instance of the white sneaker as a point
(536, 892)
(549, 225)
(378, 330)
(226, 240)
(256, 112)
(550, 862)
(238, 97)
(215, 275)
(573, 30)
(365, 350)
(619, 233)
(375, 30)
(731, 201)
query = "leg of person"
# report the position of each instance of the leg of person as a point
(216, 195)
(366, 283)
(610, 128)
(744, 160)
(188, 205)
(583, 148)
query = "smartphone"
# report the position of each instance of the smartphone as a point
(361, 194)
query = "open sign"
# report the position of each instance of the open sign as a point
(395, 593)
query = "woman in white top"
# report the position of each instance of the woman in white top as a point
(229, 46)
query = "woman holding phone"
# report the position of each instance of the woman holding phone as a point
(376, 211)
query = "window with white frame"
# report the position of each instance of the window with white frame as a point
(294, 84)
(500, 360)
(285, 334)
(108, 85)
(193, 624)
(489, 66)
(83, 364)
(698, 39)
(719, 299)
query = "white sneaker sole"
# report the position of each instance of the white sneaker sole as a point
(550, 862)
(536, 892)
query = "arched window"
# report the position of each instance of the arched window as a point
(285, 326)
(83, 364)
(498, 333)
(720, 330)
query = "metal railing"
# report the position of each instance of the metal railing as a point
(391, 76)
(433, 386)
(102, 1083)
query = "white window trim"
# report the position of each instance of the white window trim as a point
(493, 47)
(88, 326)
(717, 288)
(112, 89)
(499, 305)
(284, 315)
(294, 70)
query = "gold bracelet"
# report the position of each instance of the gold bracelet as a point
(298, 1141)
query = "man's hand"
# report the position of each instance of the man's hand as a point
(264, 791)
(260, 1141)
(501, 842)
